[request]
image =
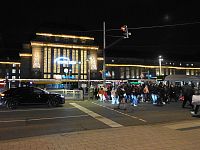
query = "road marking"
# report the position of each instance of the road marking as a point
(134, 117)
(38, 119)
(38, 109)
(185, 125)
(97, 116)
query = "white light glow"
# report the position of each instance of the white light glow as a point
(64, 60)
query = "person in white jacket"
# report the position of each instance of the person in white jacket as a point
(114, 96)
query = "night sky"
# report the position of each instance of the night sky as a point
(20, 20)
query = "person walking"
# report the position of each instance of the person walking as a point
(161, 93)
(101, 94)
(187, 93)
(154, 93)
(134, 99)
(114, 96)
(145, 93)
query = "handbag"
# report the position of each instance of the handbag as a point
(181, 98)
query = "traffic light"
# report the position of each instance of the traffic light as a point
(124, 28)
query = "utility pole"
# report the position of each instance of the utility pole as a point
(126, 35)
(104, 57)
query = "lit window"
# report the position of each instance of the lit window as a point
(187, 72)
(13, 77)
(13, 70)
(14, 65)
(75, 40)
(192, 72)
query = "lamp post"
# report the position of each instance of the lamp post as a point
(104, 57)
(160, 64)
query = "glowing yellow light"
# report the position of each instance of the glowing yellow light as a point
(100, 58)
(66, 36)
(10, 63)
(64, 45)
(2, 95)
(36, 60)
(25, 55)
(146, 66)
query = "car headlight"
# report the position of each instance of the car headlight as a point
(2, 95)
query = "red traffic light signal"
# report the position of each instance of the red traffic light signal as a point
(124, 28)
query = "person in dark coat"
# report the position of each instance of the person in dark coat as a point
(161, 93)
(187, 91)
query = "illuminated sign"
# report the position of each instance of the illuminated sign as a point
(64, 60)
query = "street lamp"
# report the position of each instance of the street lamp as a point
(160, 64)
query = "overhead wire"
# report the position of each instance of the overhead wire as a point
(144, 27)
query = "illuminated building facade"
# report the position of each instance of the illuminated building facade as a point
(72, 58)
(59, 56)
(133, 68)
(9, 70)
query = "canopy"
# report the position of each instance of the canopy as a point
(185, 78)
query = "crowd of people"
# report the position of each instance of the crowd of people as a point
(157, 94)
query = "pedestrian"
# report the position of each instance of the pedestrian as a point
(114, 96)
(96, 93)
(154, 93)
(101, 94)
(134, 99)
(145, 93)
(161, 93)
(187, 93)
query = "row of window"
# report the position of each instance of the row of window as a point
(133, 72)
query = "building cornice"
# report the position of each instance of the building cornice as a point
(34, 43)
(150, 66)
(65, 36)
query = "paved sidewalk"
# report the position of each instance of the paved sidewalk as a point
(145, 137)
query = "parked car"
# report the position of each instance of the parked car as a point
(28, 96)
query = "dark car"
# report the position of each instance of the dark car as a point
(28, 96)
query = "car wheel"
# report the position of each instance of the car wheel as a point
(11, 104)
(52, 102)
(49, 103)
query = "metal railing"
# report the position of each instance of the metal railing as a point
(69, 94)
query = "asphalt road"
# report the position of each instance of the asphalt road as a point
(84, 115)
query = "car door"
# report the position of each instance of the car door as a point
(39, 96)
(22, 95)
